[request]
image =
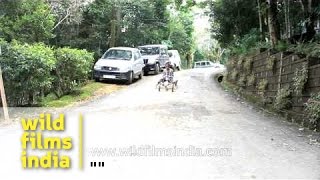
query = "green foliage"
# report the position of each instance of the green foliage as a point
(29, 21)
(144, 22)
(315, 50)
(246, 43)
(271, 62)
(263, 45)
(248, 63)
(198, 55)
(301, 48)
(242, 81)
(282, 46)
(234, 75)
(181, 32)
(300, 79)
(94, 31)
(27, 71)
(73, 68)
(233, 19)
(230, 64)
(262, 87)
(283, 99)
(251, 80)
(240, 62)
(87, 91)
(32, 71)
(313, 108)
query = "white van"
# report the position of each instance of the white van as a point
(175, 59)
(121, 63)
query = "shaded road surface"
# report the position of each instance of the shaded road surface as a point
(140, 133)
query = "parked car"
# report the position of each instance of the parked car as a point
(175, 59)
(154, 57)
(120, 63)
(203, 64)
(206, 64)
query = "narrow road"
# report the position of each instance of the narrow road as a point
(198, 116)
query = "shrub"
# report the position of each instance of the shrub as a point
(248, 64)
(313, 108)
(300, 79)
(230, 63)
(73, 68)
(246, 43)
(282, 46)
(271, 61)
(251, 80)
(262, 87)
(242, 81)
(234, 75)
(240, 62)
(283, 99)
(26, 71)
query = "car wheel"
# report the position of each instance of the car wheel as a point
(174, 67)
(130, 78)
(96, 79)
(157, 69)
(141, 74)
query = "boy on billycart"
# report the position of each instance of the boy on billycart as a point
(167, 81)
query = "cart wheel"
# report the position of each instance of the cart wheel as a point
(159, 88)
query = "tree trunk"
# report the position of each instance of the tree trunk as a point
(260, 19)
(302, 5)
(289, 22)
(273, 22)
(113, 27)
(287, 18)
(118, 25)
(310, 18)
(309, 6)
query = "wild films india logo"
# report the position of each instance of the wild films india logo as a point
(35, 138)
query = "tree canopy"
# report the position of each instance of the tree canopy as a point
(99, 24)
(277, 20)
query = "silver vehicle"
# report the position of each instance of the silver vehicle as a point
(121, 63)
(203, 64)
(154, 57)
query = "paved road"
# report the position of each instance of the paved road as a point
(168, 130)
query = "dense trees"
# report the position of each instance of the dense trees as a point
(277, 20)
(26, 20)
(232, 19)
(181, 30)
(96, 25)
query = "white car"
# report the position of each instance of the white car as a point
(120, 63)
(203, 64)
(175, 59)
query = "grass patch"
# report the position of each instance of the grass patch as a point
(86, 92)
(249, 97)
(229, 86)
